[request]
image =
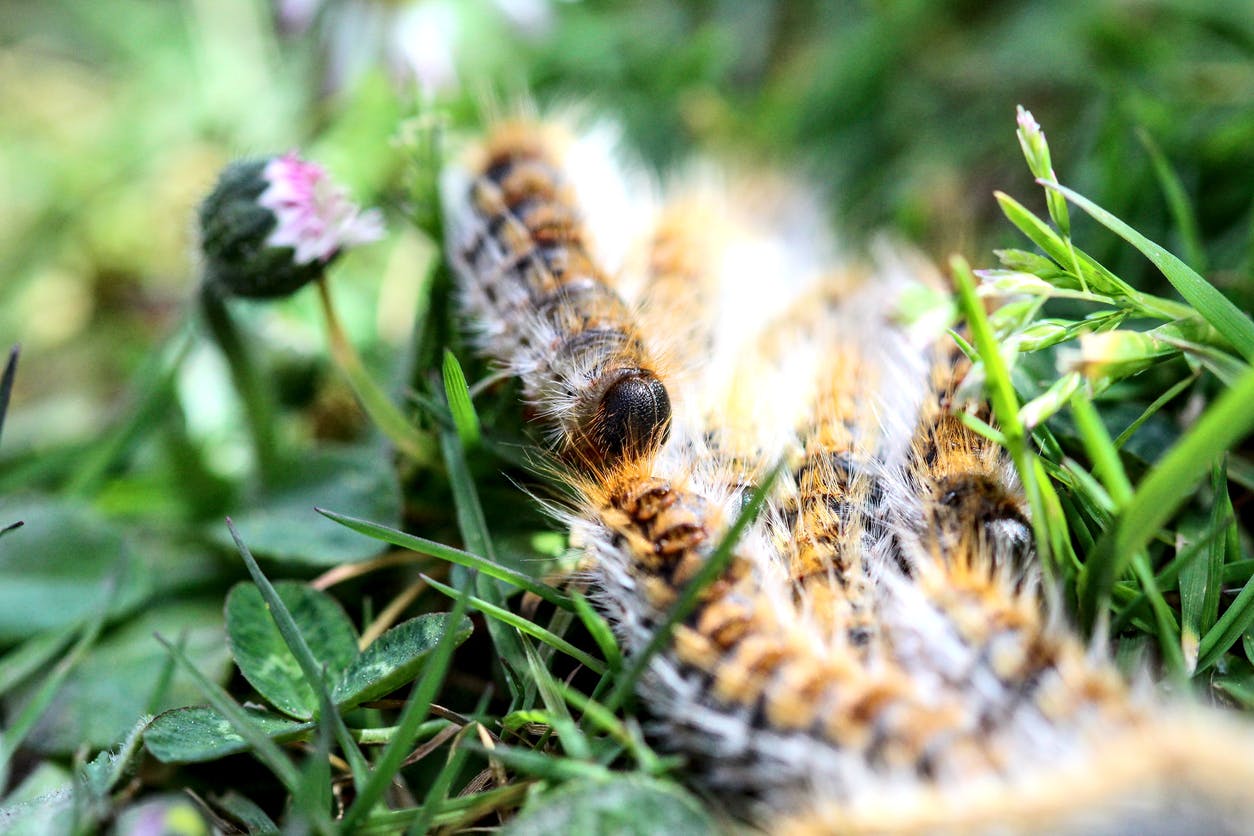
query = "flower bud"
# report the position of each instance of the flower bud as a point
(271, 226)
(1036, 411)
(1115, 354)
(166, 815)
(1011, 283)
(1045, 333)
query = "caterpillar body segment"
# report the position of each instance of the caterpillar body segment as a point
(959, 484)
(878, 655)
(836, 519)
(753, 685)
(543, 306)
(1181, 771)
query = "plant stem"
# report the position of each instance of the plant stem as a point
(258, 402)
(372, 398)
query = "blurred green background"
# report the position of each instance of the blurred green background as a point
(115, 116)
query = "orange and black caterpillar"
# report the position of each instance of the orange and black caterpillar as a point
(543, 306)
(878, 654)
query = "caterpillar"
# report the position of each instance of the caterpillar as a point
(879, 652)
(548, 310)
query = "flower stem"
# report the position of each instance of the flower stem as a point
(372, 398)
(258, 403)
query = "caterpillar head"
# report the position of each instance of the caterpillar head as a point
(631, 420)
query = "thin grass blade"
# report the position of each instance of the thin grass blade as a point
(522, 624)
(1163, 491)
(6, 384)
(1177, 201)
(309, 666)
(718, 560)
(265, 749)
(408, 727)
(460, 407)
(1214, 307)
(450, 554)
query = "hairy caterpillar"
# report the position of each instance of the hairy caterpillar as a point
(878, 654)
(547, 309)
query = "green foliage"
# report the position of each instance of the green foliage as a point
(262, 655)
(197, 733)
(122, 676)
(65, 565)
(283, 525)
(1120, 546)
(597, 806)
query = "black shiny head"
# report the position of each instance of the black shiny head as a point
(633, 417)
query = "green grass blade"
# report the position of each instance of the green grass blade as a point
(1168, 576)
(6, 384)
(600, 631)
(1088, 493)
(1241, 471)
(470, 519)
(1109, 468)
(1037, 231)
(246, 812)
(1164, 490)
(983, 428)
(1238, 571)
(265, 749)
(1159, 402)
(1177, 201)
(455, 812)
(523, 625)
(313, 795)
(474, 530)
(541, 765)
(603, 719)
(437, 794)
(309, 666)
(376, 403)
(34, 655)
(1048, 521)
(1202, 581)
(1089, 273)
(573, 740)
(1228, 629)
(408, 727)
(1217, 361)
(162, 685)
(1214, 307)
(1166, 627)
(450, 554)
(460, 407)
(997, 376)
(1101, 450)
(153, 389)
(1222, 519)
(30, 713)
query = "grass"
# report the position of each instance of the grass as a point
(1119, 374)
